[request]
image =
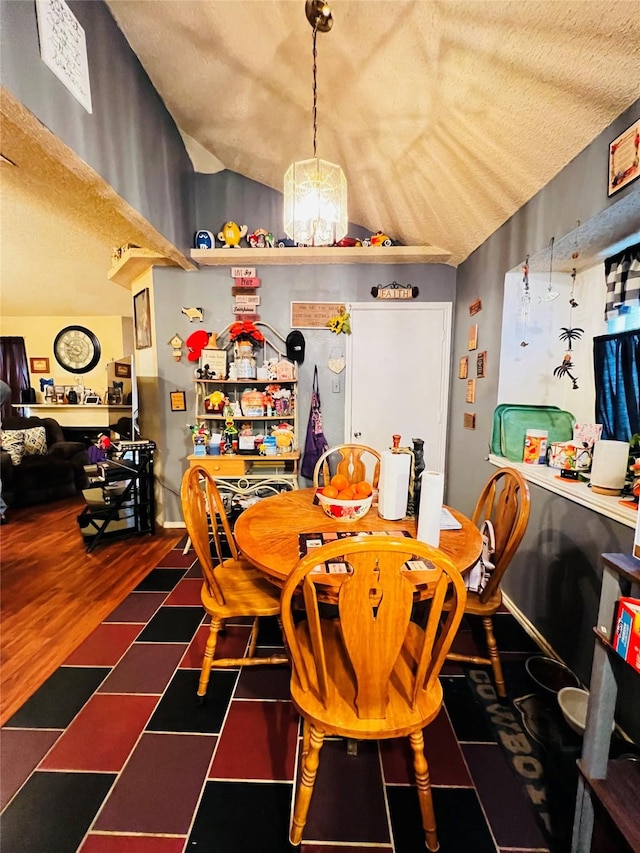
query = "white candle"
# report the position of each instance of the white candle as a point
(431, 497)
(609, 467)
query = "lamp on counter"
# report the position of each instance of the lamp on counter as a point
(315, 191)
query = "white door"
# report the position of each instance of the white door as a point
(397, 376)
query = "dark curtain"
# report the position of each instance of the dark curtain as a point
(616, 360)
(622, 272)
(14, 370)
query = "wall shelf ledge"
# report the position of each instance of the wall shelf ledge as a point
(321, 255)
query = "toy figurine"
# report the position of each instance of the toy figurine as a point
(205, 240)
(231, 235)
(261, 239)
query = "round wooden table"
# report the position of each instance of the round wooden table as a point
(268, 532)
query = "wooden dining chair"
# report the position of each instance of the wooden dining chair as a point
(371, 672)
(231, 586)
(356, 462)
(505, 502)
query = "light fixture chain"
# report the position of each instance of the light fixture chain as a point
(315, 89)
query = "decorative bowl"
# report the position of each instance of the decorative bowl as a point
(550, 674)
(573, 704)
(345, 510)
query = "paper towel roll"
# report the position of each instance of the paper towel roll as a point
(609, 467)
(394, 485)
(431, 496)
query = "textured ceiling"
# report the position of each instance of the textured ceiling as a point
(446, 115)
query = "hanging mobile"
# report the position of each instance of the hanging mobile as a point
(550, 295)
(525, 304)
(570, 334)
(574, 256)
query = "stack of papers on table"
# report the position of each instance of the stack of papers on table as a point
(448, 522)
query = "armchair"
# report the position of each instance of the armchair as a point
(51, 472)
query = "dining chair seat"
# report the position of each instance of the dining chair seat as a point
(246, 590)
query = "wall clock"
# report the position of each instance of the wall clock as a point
(76, 349)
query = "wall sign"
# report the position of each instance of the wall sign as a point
(394, 291)
(246, 281)
(469, 420)
(63, 48)
(313, 315)
(463, 368)
(481, 364)
(243, 272)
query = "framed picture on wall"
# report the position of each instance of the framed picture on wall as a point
(142, 319)
(178, 401)
(39, 365)
(121, 369)
(624, 158)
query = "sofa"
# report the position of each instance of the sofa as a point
(37, 464)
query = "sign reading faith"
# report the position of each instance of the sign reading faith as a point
(243, 272)
(63, 48)
(313, 315)
(246, 282)
(394, 291)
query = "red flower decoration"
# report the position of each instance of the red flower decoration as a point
(245, 330)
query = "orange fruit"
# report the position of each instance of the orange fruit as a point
(330, 492)
(339, 481)
(347, 494)
(364, 489)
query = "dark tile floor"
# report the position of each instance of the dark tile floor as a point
(114, 755)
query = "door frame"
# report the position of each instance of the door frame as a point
(447, 310)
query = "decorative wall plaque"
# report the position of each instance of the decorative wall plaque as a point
(481, 364)
(463, 369)
(469, 420)
(471, 391)
(394, 291)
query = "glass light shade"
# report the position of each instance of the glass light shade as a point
(315, 202)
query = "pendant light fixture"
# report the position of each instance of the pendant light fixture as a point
(315, 191)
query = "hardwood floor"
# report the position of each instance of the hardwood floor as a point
(53, 594)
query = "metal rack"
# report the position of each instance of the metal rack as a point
(120, 498)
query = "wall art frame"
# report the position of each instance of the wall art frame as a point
(624, 159)
(178, 400)
(39, 365)
(142, 319)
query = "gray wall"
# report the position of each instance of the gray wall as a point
(130, 139)
(229, 196)
(555, 577)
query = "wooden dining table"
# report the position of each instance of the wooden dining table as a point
(268, 534)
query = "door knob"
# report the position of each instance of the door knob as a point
(357, 434)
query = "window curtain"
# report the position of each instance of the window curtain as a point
(14, 370)
(622, 272)
(616, 361)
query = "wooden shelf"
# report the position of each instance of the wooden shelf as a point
(249, 381)
(618, 793)
(321, 255)
(134, 262)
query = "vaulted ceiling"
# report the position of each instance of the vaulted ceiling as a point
(446, 115)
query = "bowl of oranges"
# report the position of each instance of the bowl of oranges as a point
(344, 501)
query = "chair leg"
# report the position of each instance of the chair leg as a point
(254, 637)
(425, 796)
(306, 734)
(284, 639)
(494, 656)
(207, 662)
(308, 773)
